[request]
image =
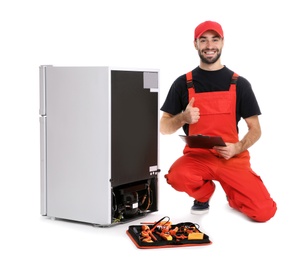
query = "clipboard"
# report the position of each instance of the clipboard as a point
(202, 141)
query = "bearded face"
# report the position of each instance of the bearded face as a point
(209, 47)
(209, 55)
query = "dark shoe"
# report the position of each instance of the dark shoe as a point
(199, 208)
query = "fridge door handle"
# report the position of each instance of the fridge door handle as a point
(42, 71)
(43, 179)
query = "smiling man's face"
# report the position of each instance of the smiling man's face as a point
(209, 46)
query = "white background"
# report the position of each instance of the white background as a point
(262, 43)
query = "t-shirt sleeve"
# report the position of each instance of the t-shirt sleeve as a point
(176, 99)
(247, 102)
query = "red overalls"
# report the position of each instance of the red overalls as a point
(195, 171)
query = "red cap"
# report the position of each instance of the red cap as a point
(208, 26)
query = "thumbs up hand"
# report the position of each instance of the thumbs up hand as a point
(191, 113)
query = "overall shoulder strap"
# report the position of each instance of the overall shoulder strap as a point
(234, 78)
(190, 85)
(189, 80)
(233, 81)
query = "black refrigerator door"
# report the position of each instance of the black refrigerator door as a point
(134, 123)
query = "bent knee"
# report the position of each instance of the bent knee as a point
(263, 215)
(176, 180)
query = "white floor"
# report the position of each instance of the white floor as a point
(27, 235)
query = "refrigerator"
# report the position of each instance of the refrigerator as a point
(99, 143)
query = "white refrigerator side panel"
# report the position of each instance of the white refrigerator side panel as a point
(78, 144)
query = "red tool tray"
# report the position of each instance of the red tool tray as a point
(164, 234)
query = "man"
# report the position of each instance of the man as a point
(211, 100)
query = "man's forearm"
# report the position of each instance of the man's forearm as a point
(169, 125)
(248, 140)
